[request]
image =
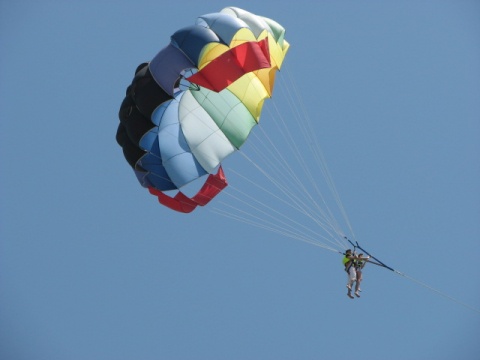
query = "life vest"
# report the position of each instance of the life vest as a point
(359, 263)
(346, 261)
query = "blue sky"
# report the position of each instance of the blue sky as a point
(92, 267)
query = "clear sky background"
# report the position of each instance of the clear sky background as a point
(92, 267)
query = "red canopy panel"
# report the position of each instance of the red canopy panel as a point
(182, 203)
(233, 64)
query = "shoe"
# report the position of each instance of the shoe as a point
(357, 294)
(350, 296)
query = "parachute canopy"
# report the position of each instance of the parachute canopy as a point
(196, 102)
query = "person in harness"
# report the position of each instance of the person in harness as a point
(349, 261)
(359, 264)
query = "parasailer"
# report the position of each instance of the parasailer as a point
(196, 102)
(359, 265)
(354, 265)
(352, 262)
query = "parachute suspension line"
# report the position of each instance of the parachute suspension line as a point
(313, 142)
(266, 225)
(306, 169)
(327, 215)
(282, 219)
(325, 210)
(286, 230)
(295, 202)
(281, 163)
(284, 129)
(305, 125)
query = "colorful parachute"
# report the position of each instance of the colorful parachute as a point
(196, 102)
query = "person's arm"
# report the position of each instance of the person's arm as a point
(361, 258)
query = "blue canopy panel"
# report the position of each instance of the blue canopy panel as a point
(167, 66)
(225, 26)
(192, 39)
(255, 23)
(157, 175)
(177, 158)
(142, 178)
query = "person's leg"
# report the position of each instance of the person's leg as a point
(351, 279)
(357, 285)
